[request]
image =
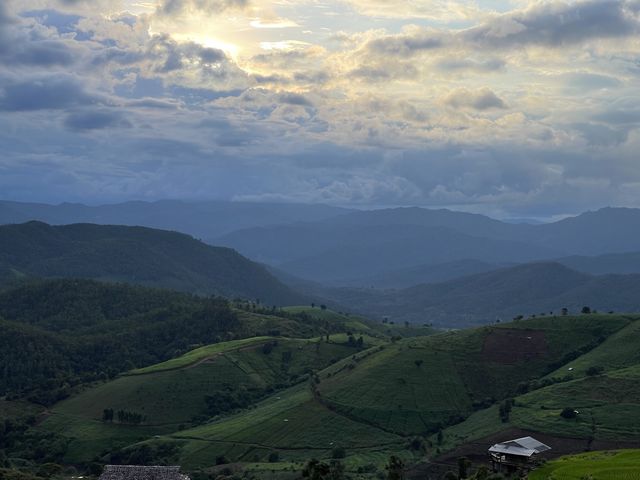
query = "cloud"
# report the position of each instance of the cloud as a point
(44, 93)
(480, 100)
(441, 10)
(553, 24)
(472, 65)
(95, 120)
(181, 7)
(557, 24)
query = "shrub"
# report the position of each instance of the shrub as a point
(568, 413)
(338, 452)
(274, 457)
(595, 370)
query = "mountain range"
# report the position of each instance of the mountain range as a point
(531, 289)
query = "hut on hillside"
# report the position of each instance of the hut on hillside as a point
(516, 455)
(139, 472)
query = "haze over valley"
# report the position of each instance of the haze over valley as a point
(319, 240)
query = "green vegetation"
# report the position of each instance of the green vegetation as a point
(347, 392)
(418, 386)
(189, 390)
(57, 334)
(608, 465)
(136, 255)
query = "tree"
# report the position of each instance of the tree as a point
(395, 468)
(336, 470)
(565, 311)
(568, 413)
(315, 470)
(505, 409)
(419, 363)
(586, 310)
(274, 457)
(463, 467)
(595, 370)
(440, 437)
(323, 307)
(338, 452)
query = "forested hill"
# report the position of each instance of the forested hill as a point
(55, 334)
(137, 255)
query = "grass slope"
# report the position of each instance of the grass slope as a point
(371, 402)
(608, 465)
(419, 385)
(608, 403)
(172, 395)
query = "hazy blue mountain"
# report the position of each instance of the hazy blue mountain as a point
(352, 248)
(204, 220)
(500, 294)
(381, 249)
(603, 264)
(430, 273)
(137, 255)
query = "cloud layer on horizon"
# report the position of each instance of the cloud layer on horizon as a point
(528, 109)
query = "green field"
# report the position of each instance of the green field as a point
(609, 407)
(614, 465)
(416, 386)
(371, 402)
(172, 395)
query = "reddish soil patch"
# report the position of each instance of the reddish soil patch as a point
(476, 451)
(513, 345)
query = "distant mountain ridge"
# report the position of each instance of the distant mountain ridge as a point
(385, 248)
(357, 246)
(205, 220)
(530, 289)
(137, 255)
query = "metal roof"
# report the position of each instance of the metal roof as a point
(521, 447)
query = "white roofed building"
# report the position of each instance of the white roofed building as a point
(516, 454)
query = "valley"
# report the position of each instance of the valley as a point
(131, 345)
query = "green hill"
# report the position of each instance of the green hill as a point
(606, 465)
(55, 334)
(269, 404)
(142, 256)
(190, 389)
(601, 384)
(373, 403)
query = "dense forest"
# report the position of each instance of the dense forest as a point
(55, 334)
(136, 255)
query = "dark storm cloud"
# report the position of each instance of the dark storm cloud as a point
(44, 93)
(95, 120)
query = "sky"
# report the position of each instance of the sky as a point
(512, 108)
